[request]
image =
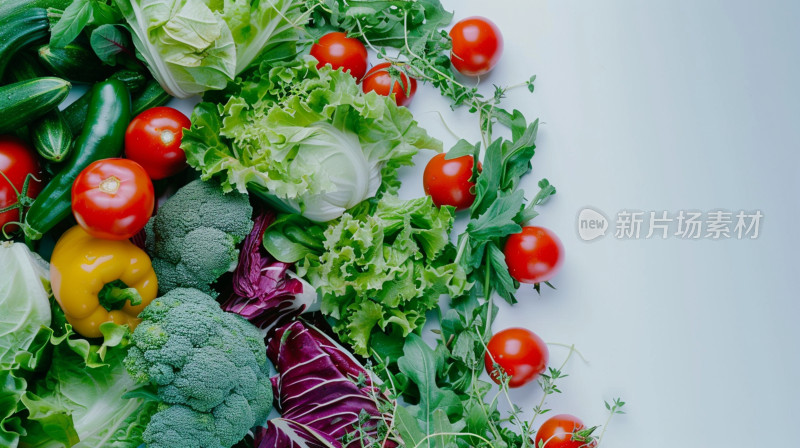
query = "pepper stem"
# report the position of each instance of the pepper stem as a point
(114, 295)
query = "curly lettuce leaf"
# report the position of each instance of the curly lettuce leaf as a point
(309, 139)
(379, 268)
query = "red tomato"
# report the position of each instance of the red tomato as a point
(447, 181)
(520, 353)
(380, 81)
(112, 199)
(477, 46)
(153, 140)
(557, 432)
(534, 255)
(17, 161)
(341, 51)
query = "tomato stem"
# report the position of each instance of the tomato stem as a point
(110, 185)
(22, 201)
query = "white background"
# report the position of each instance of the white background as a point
(659, 105)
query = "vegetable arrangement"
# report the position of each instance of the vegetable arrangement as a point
(279, 293)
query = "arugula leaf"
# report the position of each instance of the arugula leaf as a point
(502, 281)
(545, 191)
(488, 183)
(419, 364)
(444, 430)
(514, 121)
(517, 156)
(498, 219)
(408, 427)
(462, 148)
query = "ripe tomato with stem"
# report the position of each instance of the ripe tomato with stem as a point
(113, 199)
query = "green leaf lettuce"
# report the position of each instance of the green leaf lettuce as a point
(308, 140)
(192, 46)
(87, 398)
(380, 268)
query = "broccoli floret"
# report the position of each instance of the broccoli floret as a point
(174, 426)
(210, 369)
(192, 239)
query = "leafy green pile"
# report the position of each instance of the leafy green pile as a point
(192, 46)
(451, 407)
(308, 140)
(385, 24)
(443, 388)
(379, 267)
(86, 396)
(419, 47)
(499, 209)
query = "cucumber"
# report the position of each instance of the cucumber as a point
(51, 136)
(75, 113)
(24, 66)
(11, 7)
(74, 62)
(102, 138)
(17, 31)
(153, 95)
(25, 101)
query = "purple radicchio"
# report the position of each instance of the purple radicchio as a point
(321, 391)
(265, 291)
(283, 433)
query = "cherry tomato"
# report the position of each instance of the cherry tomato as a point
(534, 255)
(557, 432)
(112, 198)
(477, 46)
(17, 161)
(380, 81)
(153, 140)
(447, 181)
(341, 51)
(520, 354)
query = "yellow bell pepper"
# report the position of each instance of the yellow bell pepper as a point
(97, 281)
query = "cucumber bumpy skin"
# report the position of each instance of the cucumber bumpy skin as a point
(25, 101)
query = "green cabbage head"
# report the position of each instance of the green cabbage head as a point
(192, 46)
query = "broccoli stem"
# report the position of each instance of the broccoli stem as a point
(114, 295)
